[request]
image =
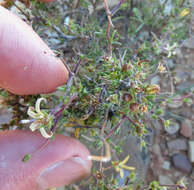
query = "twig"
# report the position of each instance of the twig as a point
(90, 113)
(108, 13)
(25, 14)
(128, 14)
(171, 80)
(66, 37)
(58, 110)
(85, 126)
(101, 93)
(68, 85)
(76, 4)
(174, 186)
(182, 3)
(119, 124)
(183, 97)
(116, 127)
(116, 8)
(70, 80)
(102, 135)
(58, 114)
(130, 120)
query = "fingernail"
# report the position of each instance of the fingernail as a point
(63, 173)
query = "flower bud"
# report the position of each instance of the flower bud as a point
(127, 97)
(134, 107)
(153, 89)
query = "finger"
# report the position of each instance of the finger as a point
(27, 65)
(61, 162)
(8, 3)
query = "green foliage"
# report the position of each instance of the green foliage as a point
(118, 86)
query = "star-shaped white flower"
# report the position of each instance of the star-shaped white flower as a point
(171, 49)
(42, 119)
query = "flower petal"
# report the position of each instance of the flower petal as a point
(124, 161)
(121, 173)
(31, 113)
(37, 105)
(45, 134)
(24, 121)
(34, 126)
(128, 167)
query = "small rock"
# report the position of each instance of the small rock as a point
(184, 87)
(191, 151)
(164, 180)
(172, 129)
(143, 35)
(164, 148)
(177, 144)
(189, 43)
(121, 181)
(170, 63)
(5, 116)
(185, 112)
(177, 174)
(157, 151)
(181, 76)
(176, 102)
(186, 128)
(192, 175)
(181, 162)
(190, 59)
(192, 75)
(166, 165)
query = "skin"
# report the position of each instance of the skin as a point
(52, 166)
(27, 65)
(25, 68)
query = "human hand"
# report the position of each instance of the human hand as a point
(28, 66)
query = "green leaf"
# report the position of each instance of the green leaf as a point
(166, 123)
(154, 116)
(159, 111)
(27, 157)
(187, 100)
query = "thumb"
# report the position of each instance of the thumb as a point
(61, 162)
(27, 65)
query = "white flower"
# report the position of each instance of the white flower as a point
(171, 49)
(41, 119)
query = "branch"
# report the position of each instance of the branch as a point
(108, 13)
(58, 110)
(116, 127)
(58, 114)
(116, 8)
(68, 85)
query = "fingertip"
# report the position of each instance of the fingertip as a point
(61, 162)
(27, 64)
